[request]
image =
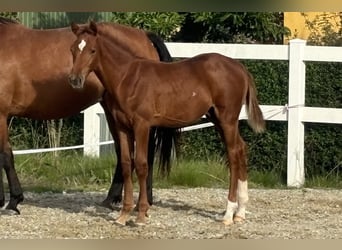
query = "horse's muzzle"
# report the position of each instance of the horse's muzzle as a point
(76, 81)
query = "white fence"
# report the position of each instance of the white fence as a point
(294, 111)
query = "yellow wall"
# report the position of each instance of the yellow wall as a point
(295, 21)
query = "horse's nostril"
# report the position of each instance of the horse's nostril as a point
(76, 81)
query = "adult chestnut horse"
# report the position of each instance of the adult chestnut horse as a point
(34, 83)
(146, 93)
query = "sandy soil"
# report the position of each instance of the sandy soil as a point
(180, 214)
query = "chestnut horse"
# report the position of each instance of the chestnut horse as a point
(34, 83)
(146, 93)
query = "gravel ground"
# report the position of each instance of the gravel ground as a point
(180, 214)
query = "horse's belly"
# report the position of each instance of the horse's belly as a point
(57, 100)
(180, 113)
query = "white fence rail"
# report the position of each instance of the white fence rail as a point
(294, 111)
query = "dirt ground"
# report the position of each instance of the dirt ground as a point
(180, 214)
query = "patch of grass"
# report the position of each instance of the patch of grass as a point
(41, 172)
(324, 182)
(190, 173)
(75, 172)
(265, 179)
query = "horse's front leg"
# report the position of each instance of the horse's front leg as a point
(141, 133)
(7, 162)
(126, 151)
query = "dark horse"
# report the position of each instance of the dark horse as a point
(34, 83)
(145, 93)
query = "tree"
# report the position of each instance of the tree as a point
(165, 24)
(11, 15)
(236, 27)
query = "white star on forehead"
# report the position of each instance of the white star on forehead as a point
(81, 45)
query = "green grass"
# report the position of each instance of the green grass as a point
(75, 172)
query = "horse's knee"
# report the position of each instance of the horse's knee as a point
(126, 169)
(141, 168)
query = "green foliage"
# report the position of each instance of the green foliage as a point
(323, 150)
(323, 85)
(238, 27)
(11, 15)
(74, 172)
(165, 24)
(71, 171)
(27, 134)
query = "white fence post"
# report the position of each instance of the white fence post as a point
(296, 101)
(91, 131)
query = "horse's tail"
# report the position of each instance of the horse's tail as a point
(255, 117)
(166, 138)
(158, 43)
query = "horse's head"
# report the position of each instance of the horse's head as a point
(84, 53)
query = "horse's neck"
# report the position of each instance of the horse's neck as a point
(114, 63)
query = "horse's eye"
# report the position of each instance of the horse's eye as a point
(93, 51)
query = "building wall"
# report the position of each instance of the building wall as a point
(45, 20)
(295, 21)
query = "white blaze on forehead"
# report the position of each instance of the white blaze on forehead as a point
(81, 45)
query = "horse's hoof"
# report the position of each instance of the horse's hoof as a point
(140, 221)
(117, 199)
(106, 204)
(227, 222)
(120, 222)
(12, 208)
(238, 219)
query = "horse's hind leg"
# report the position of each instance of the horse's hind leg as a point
(115, 191)
(242, 185)
(7, 162)
(238, 174)
(2, 192)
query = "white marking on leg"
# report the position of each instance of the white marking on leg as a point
(4, 206)
(242, 197)
(230, 211)
(81, 45)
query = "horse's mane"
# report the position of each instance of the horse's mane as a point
(105, 30)
(5, 20)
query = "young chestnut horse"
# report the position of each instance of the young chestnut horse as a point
(35, 65)
(147, 93)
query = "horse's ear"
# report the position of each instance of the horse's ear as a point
(93, 27)
(74, 27)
